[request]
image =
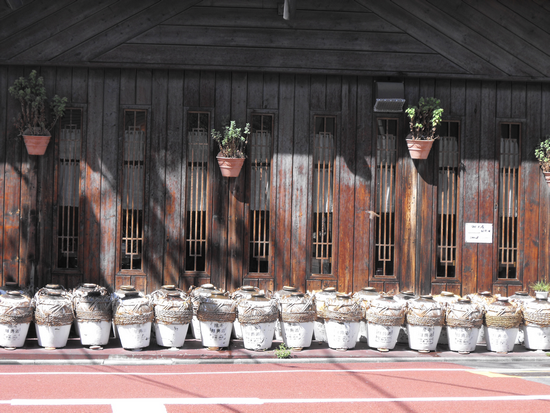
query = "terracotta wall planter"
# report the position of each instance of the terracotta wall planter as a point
(419, 149)
(36, 145)
(230, 167)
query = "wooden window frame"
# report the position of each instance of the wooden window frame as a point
(82, 195)
(190, 275)
(131, 273)
(270, 274)
(333, 276)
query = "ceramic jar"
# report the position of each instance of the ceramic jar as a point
(15, 317)
(521, 298)
(364, 298)
(404, 296)
(536, 316)
(173, 313)
(444, 298)
(320, 298)
(257, 316)
(425, 319)
(53, 317)
(463, 321)
(342, 316)
(13, 286)
(133, 315)
(196, 293)
(278, 295)
(502, 321)
(297, 314)
(216, 314)
(385, 316)
(93, 314)
(246, 291)
(483, 299)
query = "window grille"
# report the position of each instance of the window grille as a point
(447, 195)
(386, 157)
(323, 189)
(508, 199)
(198, 150)
(135, 127)
(260, 144)
(68, 188)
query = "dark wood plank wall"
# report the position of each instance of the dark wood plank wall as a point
(498, 40)
(29, 207)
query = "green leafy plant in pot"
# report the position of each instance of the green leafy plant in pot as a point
(423, 122)
(232, 143)
(36, 119)
(541, 289)
(542, 153)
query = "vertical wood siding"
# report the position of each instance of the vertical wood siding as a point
(28, 205)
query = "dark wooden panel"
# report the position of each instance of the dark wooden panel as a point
(254, 99)
(427, 210)
(128, 87)
(533, 15)
(469, 187)
(155, 237)
(121, 280)
(94, 144)
(36, 43)
(255, 18)
(80, 85)
(324, 39)
(12, 190)
(235, 236)
(120, 23)
(208, 89)
(242, 58)
(301, 237)
(191, 89)
(378, 285)
(334, 93)
(501, 47)
(283, 170)
(488, 184)
(504, 100)
(3, 145)
(501, 289)
(318, 92)
(427, 26)
(109, 179)
(365, 165)
(220, 189)
(45, 198)
(175, 185)
(530, 190)
(313, 285)
(271, 91)
(519, 103)
(346, 187)
(406, 194)
(143, 87)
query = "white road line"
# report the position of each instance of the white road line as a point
(199, 373)
(253, 401)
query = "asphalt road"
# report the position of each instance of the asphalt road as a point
(289, 387)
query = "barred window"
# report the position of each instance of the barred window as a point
(68, 188)
(510, 142)
(386, 157)
(134, 144)
(323, 191)
(198, 150)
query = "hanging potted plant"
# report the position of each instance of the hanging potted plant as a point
(542, 153)
(35, 120)
(232, 143)
(423, 122)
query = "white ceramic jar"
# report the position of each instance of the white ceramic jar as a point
(53, 317)
(15, 317)
(133, 316)
(245, 292)
(94, 313)
(216, 314)
(425, 319)
(320, 298)
(297, 314)
(502, 321)
(173, 313)
(342, 316)
(463, 321)
(536, 315)
(364, 298)
(257, 316)
(196, 293)
(385, 316)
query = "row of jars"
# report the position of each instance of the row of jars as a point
(288, 315)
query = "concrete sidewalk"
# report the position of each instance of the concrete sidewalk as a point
(193, 352)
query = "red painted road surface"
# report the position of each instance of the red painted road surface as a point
(350, 387)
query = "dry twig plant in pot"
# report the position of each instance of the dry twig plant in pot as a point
(542, 153)
(232, 143)
(36, 119)
(423, 122)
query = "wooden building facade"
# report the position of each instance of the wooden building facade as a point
(129, 191)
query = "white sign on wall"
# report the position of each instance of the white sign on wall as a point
(479, 233)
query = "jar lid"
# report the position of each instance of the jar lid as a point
(53, 287)
(168, 287)
(522, 293)
(343, 296)
(464, 300)
(427, 297)
(14, 293)
(503, 299)
(485, 293)
(329, 289)
(447, 294)
(289, 288)
(89, 285)
(248, 288)
(297, 294)
(369, 289)
(127, 288)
